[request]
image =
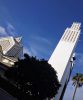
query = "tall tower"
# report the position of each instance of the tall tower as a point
(62, 59)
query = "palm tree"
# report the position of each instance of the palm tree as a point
(77, 82)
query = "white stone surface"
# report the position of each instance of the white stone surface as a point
(61, 57)
(11, 46)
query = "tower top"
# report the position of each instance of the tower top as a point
(76, 25)
(10, 45)
(71, 34)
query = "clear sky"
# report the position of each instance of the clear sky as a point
(41, 23)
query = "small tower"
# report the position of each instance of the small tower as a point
(10, 50)
(62, 57)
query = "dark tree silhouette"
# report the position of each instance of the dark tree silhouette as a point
(35, 78)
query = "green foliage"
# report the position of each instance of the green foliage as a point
(77, 82)
(35, 78)
(78, 79)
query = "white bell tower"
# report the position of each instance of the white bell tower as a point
(62, 57)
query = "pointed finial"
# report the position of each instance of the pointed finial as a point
(18, 39)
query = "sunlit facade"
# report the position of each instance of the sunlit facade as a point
(62, 59)
(10, 50)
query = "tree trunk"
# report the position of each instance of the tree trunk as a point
(74, 92)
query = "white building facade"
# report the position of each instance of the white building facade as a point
(10, 50)
(62, 59)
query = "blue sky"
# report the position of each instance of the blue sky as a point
(41, 23)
